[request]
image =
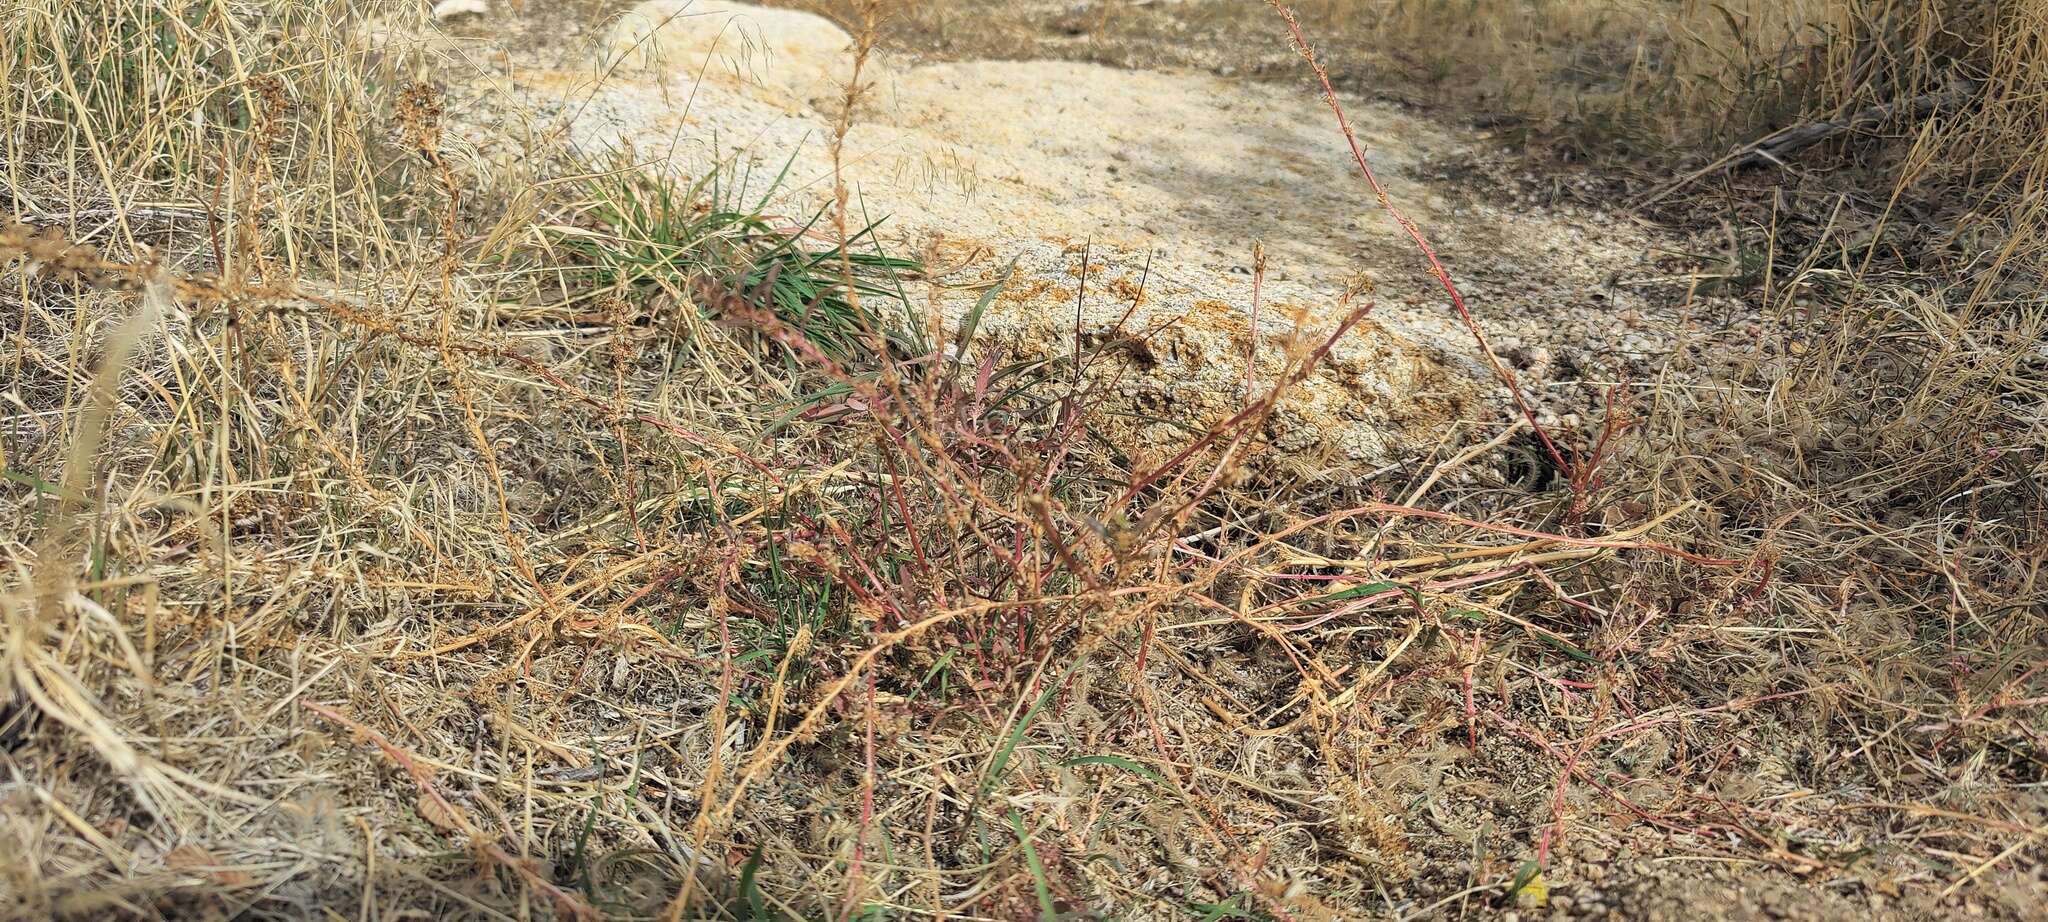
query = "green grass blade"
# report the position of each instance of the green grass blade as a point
(972, 321)
(1047, 912)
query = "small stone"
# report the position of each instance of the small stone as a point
(448, 10)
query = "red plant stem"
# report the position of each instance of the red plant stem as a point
(1559, 591)
(1570, 762)
(1436, 266)
(1586, 479)
(1081, 299)
(1251, 344)
(1472, 706)
(879, 592)
(924, 564)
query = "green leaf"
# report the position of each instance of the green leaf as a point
(1228, 909)
(757, 908)
(937, 667)
(1047, 912)
(1002, 759)
(1528, 873)
(1369, 589)
(33, 482)
(972, 321)
(1567, 649)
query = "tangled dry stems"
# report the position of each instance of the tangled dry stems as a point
(432, 588)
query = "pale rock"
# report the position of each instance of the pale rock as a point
(790, 58)
(1162, 182)
(448, 10)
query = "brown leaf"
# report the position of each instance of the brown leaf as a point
(445, 816)
(197, 860)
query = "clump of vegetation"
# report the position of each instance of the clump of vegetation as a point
(244, 131)
(653, 235)
(345, 568)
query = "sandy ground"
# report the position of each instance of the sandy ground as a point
(1161, 182)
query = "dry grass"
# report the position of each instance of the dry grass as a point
(348, 572)
(1939, 99)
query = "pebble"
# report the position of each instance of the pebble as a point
(453, 9)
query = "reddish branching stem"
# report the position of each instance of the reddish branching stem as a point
(1436, 266)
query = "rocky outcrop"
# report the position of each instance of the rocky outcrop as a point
(1161, 183)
